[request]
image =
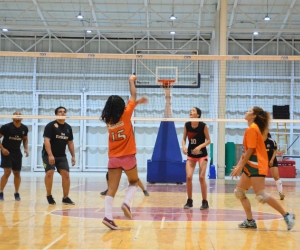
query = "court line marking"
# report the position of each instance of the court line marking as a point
(162, 223)
(49, 212)
(16, 223)
(76, 186)
(137, 232)
(53, 242)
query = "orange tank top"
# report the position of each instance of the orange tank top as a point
(121, 141)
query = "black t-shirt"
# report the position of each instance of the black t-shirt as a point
(59, 135)
(13, 136)
(196, 137)
(271, 145)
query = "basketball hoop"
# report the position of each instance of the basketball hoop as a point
(166, 83)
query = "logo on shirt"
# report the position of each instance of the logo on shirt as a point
(16, 138)
(62, 136)
(113, 126)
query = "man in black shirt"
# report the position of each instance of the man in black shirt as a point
(11, 157)
(57, 135)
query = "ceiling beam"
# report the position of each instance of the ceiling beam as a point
(200, 16)
(94, 16)
(41, 15)
(287, 15)
(106, 28)
(232, 16)
(22, 13)
(147, 16)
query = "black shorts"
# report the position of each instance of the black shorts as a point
(13, 161)
(275, 164)
(60, 163)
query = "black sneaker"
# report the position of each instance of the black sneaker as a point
(189, 204)
(146, 193)
(17, 197)
(1, 196)
(104, 192)
(50, 199)
(67, 201)
(204, 205)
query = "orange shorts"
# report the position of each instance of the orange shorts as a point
(127, 162)
(205, 158)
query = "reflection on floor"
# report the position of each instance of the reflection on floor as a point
(159, 221)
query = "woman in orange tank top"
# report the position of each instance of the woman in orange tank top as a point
(121, 150)
(254, 167)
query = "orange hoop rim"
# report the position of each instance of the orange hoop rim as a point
(166, 82)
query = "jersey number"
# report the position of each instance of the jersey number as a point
(120, 136)
(193, 141)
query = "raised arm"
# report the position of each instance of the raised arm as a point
(132, 88)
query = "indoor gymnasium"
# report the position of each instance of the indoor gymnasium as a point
(150, 124)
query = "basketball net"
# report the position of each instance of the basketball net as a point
(167, 85)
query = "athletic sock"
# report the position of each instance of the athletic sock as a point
(129, 195)
(279, 185)
(108, 207)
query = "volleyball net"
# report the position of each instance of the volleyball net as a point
(223, 87)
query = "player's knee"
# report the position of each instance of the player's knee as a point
(17, 174)
(240, 193)
(134, 182)
(49, 173)
(202, 178)
(65, 175)
(262, 196)
(189, 178)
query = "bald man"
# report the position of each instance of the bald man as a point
(13, 133)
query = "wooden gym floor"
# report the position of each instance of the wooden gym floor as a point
(159, 221)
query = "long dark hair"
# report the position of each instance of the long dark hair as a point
(198, 111)
(113, 109)
(262, 118)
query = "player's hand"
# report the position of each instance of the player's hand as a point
(26, 152)
(184, 150)
(132, 77)
(236, 171)
(271, 163)
(196, 150)
(73, 161)
(142, 100)
(51, 159)
(5, 151)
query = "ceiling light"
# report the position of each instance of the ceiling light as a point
(255, 33)
(79, 16)
(172, 17)
(88, 31)
(267, 18)
(172, 32)
(4, 29)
